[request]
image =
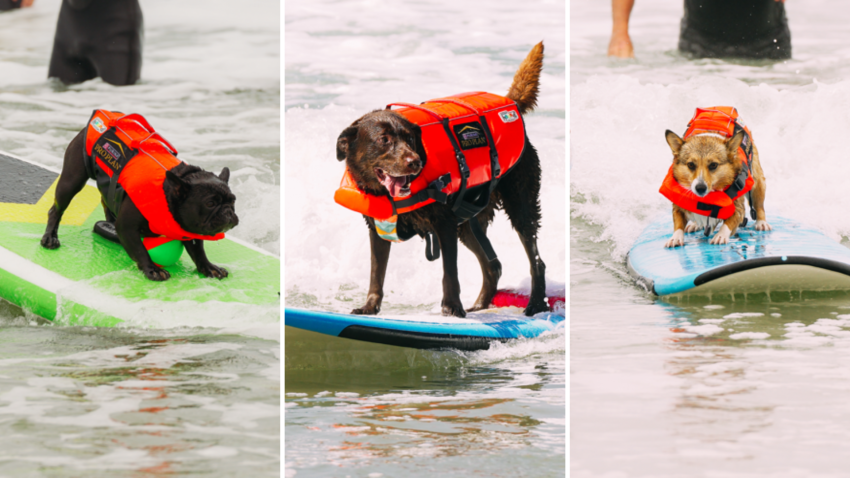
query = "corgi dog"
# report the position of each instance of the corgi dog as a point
(713, 159)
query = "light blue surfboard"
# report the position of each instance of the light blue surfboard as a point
(791, 257)
(474, 332)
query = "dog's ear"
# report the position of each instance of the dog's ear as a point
(674, 141)
(225, 174)
(344, 142)
(178, 185)
(734, 143)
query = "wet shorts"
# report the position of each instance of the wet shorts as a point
(98, 38)
(735, 29)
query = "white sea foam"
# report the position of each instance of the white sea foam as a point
(741, 315)
(749, 335)
(704, 330)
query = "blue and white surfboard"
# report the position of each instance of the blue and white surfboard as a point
(791, 257)
(474, 332)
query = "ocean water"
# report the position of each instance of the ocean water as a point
(356, 409)
(744, 387)
(171, 396)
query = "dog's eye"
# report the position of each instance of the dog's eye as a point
(210, 204)
(692, 166)
(712, 166)
(383, 139)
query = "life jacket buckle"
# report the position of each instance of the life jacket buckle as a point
(438, 185)
(740, 182)
(461, 161)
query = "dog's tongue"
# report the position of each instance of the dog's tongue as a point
(396, 185)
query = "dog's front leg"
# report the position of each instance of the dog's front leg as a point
(380, 257)
(447, 235)
(128, 226)
(679, 221)
(730, 225)
(195, 248)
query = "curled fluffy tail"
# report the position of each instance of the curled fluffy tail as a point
(527, 80)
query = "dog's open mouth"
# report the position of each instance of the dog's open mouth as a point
(398, 186)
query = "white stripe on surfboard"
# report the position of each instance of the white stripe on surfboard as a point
(31, 272)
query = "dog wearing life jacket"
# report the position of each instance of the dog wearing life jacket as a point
(393, 177)
(145, 191)
(714, 167)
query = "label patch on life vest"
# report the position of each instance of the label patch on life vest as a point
(98, 125)
(112, 152)
(508, 116)
(470, 135)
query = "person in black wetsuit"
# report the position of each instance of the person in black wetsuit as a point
(98, 38)
(754, 29)
(10, 4)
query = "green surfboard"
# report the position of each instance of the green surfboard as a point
(90, 280)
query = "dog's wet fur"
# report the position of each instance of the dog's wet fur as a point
(200, 201)
(708, 163)
(383, 152)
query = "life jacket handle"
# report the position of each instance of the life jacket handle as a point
(138, 119)
(457, 102)
(136, 143)
(433, 114)
(141, 121)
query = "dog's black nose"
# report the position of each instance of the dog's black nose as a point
(700, 189)
(413, 162)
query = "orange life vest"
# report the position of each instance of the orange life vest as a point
(125, 155)
(470, 139)
(721, 121)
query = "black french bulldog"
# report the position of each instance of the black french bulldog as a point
(199, 201)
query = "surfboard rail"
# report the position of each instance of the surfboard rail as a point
(792, 257)
(475, 332)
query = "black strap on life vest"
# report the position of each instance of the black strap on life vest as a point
(713, 208)
(461, 164)
(740, 182)
(112, 192)
(433, 191)
(746, 170)
(463, 208)
(115, 195)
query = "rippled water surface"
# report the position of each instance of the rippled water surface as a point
(178, 399)
(357, 409)
(743, 387)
